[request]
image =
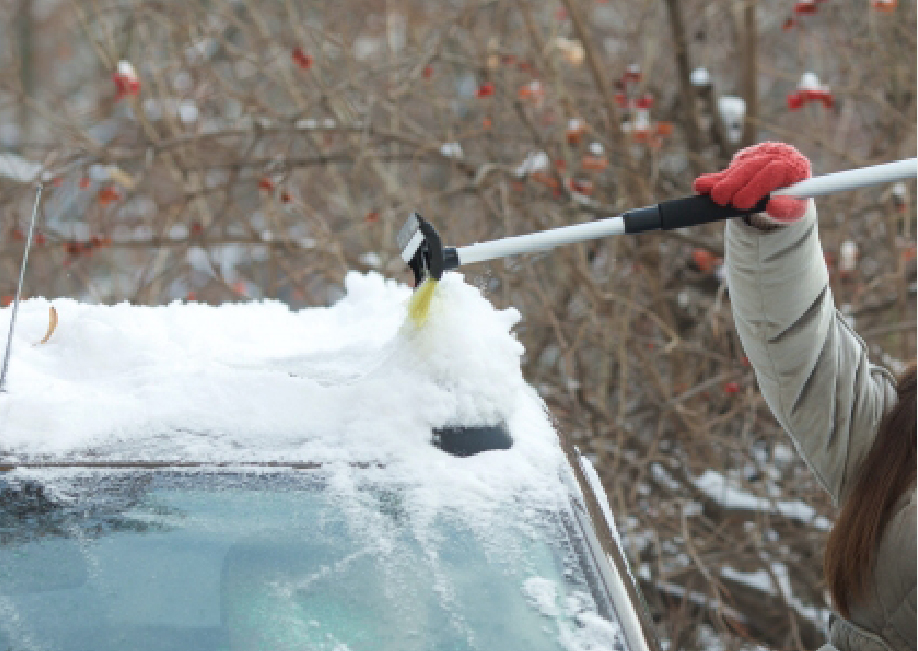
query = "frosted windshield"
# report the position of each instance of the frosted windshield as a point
(281, 561)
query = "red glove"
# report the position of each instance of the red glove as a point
(753, 173)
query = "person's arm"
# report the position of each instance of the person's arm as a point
(812, 368)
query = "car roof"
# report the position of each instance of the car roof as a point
(257, 382)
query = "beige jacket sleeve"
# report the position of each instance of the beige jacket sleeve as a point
(811, 367)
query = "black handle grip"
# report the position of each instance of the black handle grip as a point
(700, 209)
(688, 211)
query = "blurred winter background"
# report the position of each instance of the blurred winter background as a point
(234, 150)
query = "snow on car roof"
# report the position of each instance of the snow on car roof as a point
(258, 382)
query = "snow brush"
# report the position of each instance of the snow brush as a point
(427, 257)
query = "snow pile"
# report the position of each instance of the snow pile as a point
(257, 382)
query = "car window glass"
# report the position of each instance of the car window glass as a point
(164, 560)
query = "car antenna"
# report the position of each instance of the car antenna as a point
(25, 259)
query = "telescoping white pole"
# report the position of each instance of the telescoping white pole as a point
(676, 213)
(852, 179)
(542, 240)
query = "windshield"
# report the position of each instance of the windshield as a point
(281, 561)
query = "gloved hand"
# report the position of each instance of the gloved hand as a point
(753, 173)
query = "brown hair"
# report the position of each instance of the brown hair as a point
(883, 478)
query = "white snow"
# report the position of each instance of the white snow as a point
(17, 168)
(579, 627)
(259, 382)
(732, 111)
(809, 81)
(641, 122)
(100, 172)
(451, 150)
(700, 77)
(544, 595)
(371, 259)
(127, 69)
(847, 256)
(188, 111)
(762, 580)
(718, 488)
(534, 162)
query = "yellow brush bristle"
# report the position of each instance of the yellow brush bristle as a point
(419, 305)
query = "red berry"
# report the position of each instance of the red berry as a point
(583, 187)
(486, 90)
(704, 260)
(884, 6)
(594, 163)
(126, 80)
(266, 184)
(795, 101)
(84, 183)
(731, 387)
(126, 85)
(545, 179)
(644, 102)
(428, 72)
(108, 195)
(664, 128)
(632, 74)
(372, 217)
(525, 66)
(301, 59)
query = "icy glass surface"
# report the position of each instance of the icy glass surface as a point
(279, 561)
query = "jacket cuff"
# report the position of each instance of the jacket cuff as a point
(762, 222)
